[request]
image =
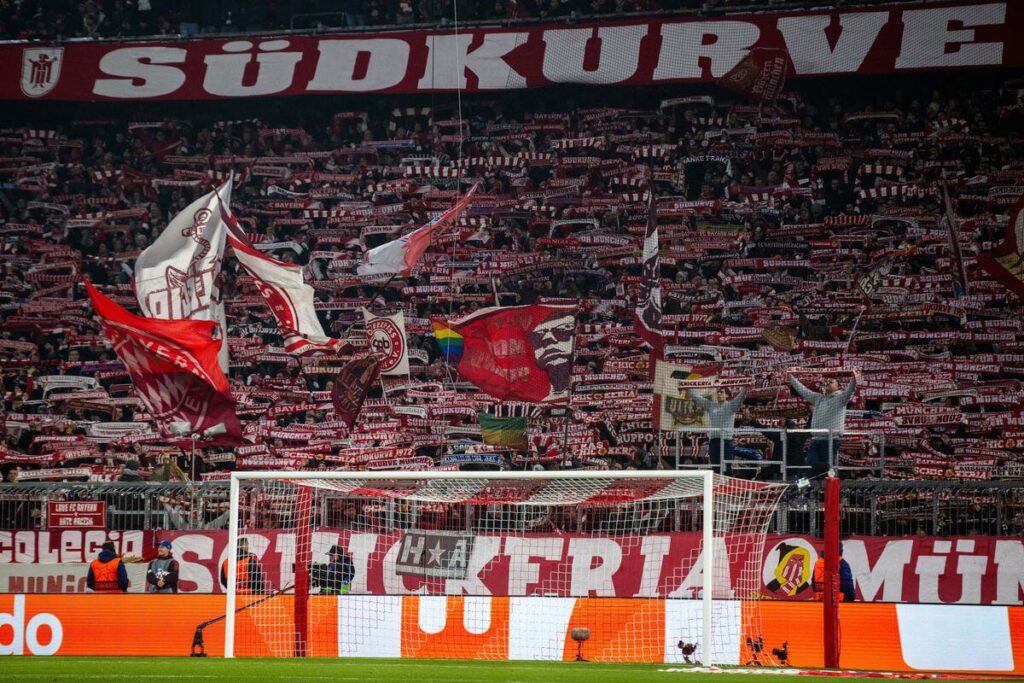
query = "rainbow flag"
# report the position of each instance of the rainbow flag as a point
(504, 432)
(448, 340)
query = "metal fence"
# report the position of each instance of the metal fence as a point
(776, 453)
(129, 505)
(869, 508)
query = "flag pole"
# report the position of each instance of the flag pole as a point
(572, 371)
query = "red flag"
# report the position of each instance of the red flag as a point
(173, 365)
(351, 386)
(760, 75)
(1005, 262)
(520, 353)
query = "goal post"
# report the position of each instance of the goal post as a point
(646, 566)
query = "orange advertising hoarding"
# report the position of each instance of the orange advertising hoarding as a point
(893, 637)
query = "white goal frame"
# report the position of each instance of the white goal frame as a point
(707, 523)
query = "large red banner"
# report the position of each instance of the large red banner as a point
(961, 570)
(893, 39)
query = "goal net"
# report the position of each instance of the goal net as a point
(660, 566)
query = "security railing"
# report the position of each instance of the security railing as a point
(786, 461)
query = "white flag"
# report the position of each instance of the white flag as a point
(398, 257)
(289, 297)
(177, 277)
(385, 335)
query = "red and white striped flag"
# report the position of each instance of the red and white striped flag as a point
(398, 257)
(289, 297)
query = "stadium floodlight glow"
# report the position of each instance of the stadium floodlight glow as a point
(387, 563)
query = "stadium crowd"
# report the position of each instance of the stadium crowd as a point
(806, 237)
(63, 19)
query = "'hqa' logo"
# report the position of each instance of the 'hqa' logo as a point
(40, 69)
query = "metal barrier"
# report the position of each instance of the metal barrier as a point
(130, 505)
(870, 508)
(784, 465)
(906, 508)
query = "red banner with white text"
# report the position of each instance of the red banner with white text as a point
(894, 39)
(962, 570)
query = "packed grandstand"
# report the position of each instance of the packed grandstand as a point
(623, 330)
(810, 235)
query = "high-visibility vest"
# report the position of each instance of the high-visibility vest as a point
(242, 575)
(104, 576)
(818, 580)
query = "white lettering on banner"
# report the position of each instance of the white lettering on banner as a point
(190, 550)
(522, 571)
(394, 583)
(654, 549)
(360, 547)
(887, 574)
(905, 37)
(683, 46)
(590, 578)
(972, 568)
(928, 570)
(69, 545)
(692, 586)
(927, 37)
(135, 64)
(28, 635)
(225, 74)
(64, 577)
(384, 63)
(618, 54)
(1009, 561)
(980, 570)
(447, 53)
(485, 549)
(809, 47)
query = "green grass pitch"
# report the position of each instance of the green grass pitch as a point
(408, 671)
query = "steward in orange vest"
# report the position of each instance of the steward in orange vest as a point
(250, 578)
(107, 573)
(847, 591)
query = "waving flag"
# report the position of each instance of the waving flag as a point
(1005, 262)
(385, 335)
(503, 432)
(648, 306)
(521, 353)
(173, 365)
(398, 257)
(351, 386)
(760, 76)
(289, 297)
(176, 277)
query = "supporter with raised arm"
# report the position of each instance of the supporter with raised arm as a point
(721, 422)
(828, 413)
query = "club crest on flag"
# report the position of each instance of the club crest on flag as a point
(386, 340)
(40, 69)
(385, 335)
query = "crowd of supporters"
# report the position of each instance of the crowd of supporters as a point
(64, 19)
(807, 237)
